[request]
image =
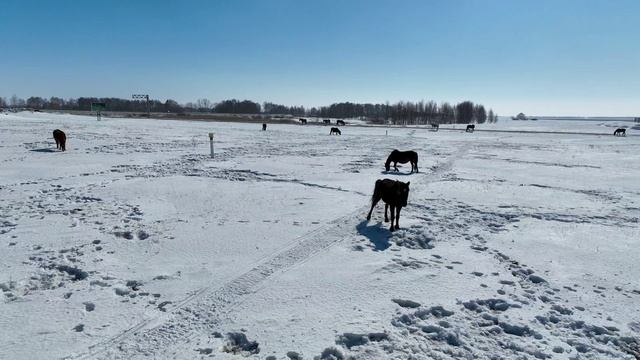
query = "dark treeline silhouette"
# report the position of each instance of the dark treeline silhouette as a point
(400, 113)
(409, 113)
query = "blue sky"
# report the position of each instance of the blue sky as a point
(542, 57)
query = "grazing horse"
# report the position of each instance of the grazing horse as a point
(264, 127)
(402, 157)
(303, 121)
(394, 194)
(60, 138)
(620, 132)
(435, 127)
(470, 128)
(335, 130)
(340, 122)
(326, 121)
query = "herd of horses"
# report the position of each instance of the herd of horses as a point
(394, 193)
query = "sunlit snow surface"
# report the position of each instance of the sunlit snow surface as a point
(134, 243)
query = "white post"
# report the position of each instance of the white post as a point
(211, 142)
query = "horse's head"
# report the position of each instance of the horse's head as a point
(387, 164)
(402, 191)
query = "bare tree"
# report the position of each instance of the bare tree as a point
(204, 105)
(479, 114)
(56, 103)
(464, 112)
(15, 101)
(36, 102)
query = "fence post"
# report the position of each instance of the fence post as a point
(211, 143)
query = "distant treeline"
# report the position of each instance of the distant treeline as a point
(400, 113)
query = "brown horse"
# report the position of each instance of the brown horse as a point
(264, 127)
(402, 157)
(395, 194)
(335, 130)
(470, 128)
(620, 132)
(60, 138)
(340, 122)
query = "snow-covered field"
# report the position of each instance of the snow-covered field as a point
(134, 243)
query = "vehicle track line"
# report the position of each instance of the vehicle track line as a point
(203, 309)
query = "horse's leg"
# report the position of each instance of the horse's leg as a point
(397, 217)
(393, 208)
(374, 202)
(417, 165)
(395, 165)
(386, 218)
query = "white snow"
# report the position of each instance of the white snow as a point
(134, 243)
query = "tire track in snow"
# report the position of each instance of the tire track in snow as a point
(203, 309)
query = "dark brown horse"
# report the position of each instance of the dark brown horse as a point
(340, 122)
(620, 132)
(402, 157)
(335, 130)
(394, 194)
(470, 128)
(264, 127)
(60, 138)
(303, 121)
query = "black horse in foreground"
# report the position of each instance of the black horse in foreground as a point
(620, 132)
(60, 138)
(402, 157)
(394, 194)
(470, 128)
(335, 130)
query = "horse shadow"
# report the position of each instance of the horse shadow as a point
(46, 150)
(378, 235)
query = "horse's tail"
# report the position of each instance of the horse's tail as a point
(376, 191)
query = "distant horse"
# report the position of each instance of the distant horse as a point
(335, 131)
(470, 128)
(435, 127)
(620, 132)
(394, 193)
(60, 138)
(326, 121)
(303, 121)
(264, 127)
(340, 123)
(402, 157)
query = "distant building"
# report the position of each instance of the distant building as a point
(520, 116)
